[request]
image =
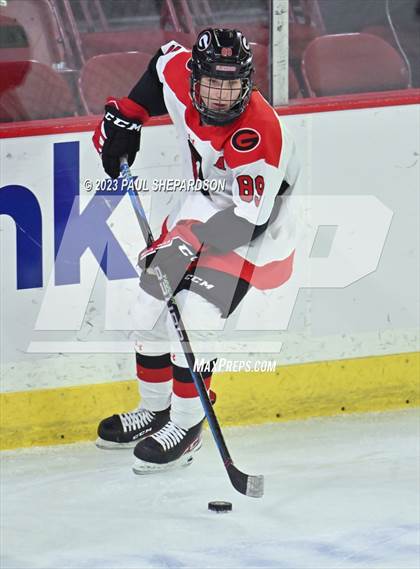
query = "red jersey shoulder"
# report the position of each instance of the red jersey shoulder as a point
(257, 135)
(177, 75)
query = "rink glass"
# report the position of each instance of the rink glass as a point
(62, 58)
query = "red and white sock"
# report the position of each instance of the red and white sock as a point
(155, 381)
(186, 407)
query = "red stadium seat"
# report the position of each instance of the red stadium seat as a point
(352, 63)
(409, 41)
(13, 75)
(30, 90)
(380, 31)
(111, 74)
(145, 40)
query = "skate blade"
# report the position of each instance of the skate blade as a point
(111, 445)
(143, 467)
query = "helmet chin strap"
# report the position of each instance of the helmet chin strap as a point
(209, 122)
(213, 122)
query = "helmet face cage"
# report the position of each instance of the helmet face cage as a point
(224, 59)
(230, 99)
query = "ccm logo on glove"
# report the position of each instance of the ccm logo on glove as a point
(122, 123)
(118, 133)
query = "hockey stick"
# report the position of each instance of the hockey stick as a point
(244, 483)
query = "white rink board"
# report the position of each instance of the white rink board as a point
(366, 160)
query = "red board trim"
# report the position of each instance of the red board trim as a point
(297, 107)
(350, 102)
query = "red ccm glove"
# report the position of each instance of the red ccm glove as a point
(118, 133)
(173, 253)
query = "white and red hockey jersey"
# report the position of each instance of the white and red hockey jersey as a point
(254, 156)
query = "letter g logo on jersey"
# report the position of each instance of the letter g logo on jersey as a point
(245, 139)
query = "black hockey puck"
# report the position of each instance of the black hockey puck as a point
(220, 507)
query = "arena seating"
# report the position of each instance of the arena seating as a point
(145, 40)
(14, 43)
(352, 63)
(110, 74)
(409, 41)
(66, 56)
(305, 24)
(41, 28)
(261, 59)
(31, 90)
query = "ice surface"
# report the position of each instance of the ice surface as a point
(340, 493)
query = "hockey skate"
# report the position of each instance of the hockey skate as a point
(168, 448)
(127, 429)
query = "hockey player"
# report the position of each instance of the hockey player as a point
(230, 241)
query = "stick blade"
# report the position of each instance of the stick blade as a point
(252, 486)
